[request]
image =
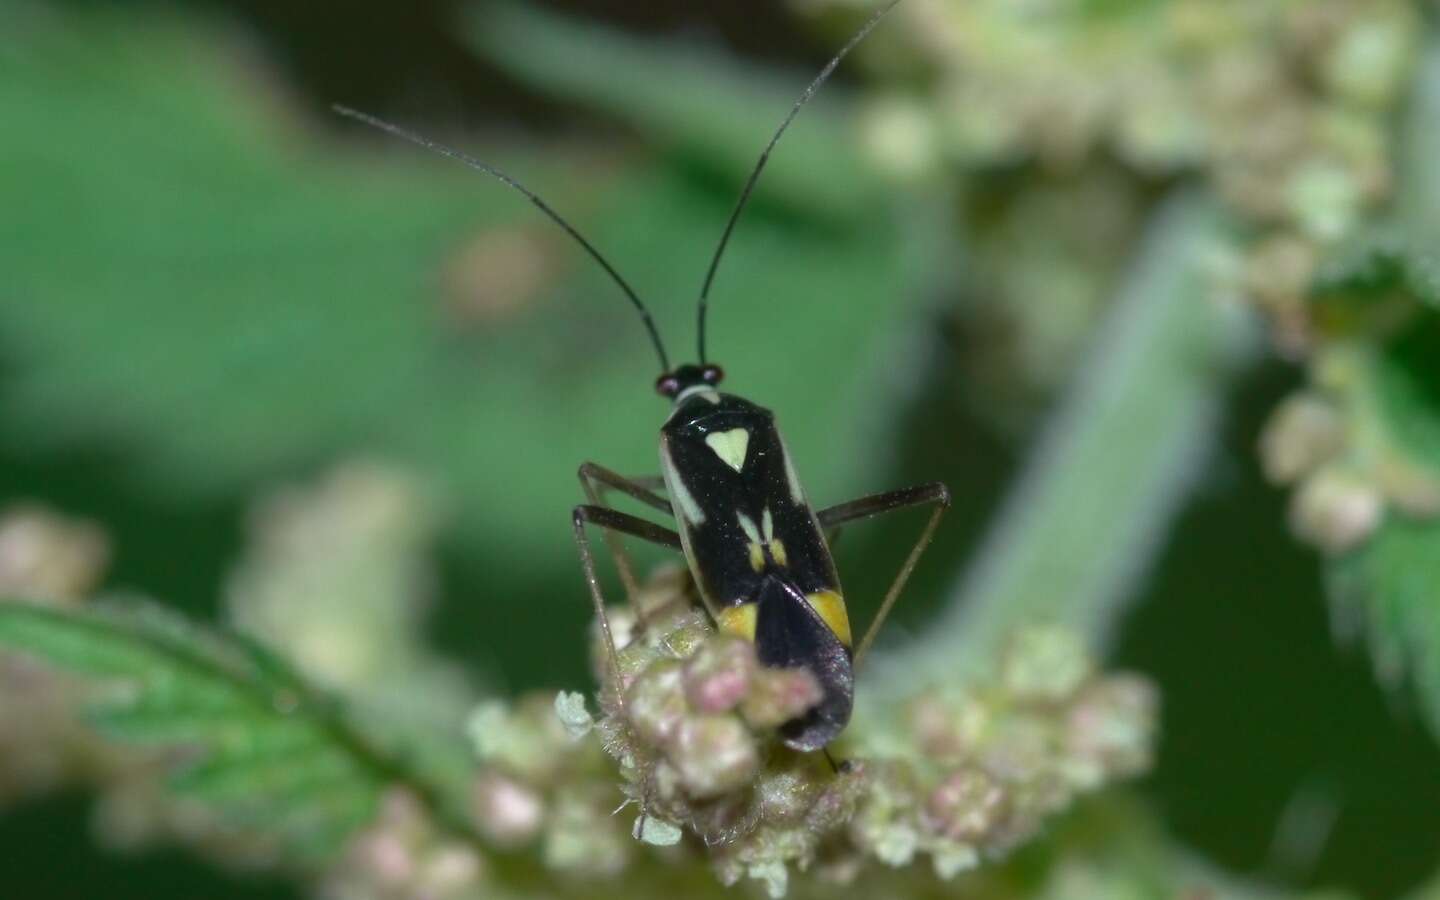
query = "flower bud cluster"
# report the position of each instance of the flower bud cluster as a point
(1283, 106)
(691, 721)
(402, 856)
(544, 783)
(959, 777)
(49, 559)
(1332, 443)
(972, 773)
(1285, 110)
(690, 713)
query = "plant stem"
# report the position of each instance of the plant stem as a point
(1091, 508)
(1417, 205)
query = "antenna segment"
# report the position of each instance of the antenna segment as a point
(765, 157)
(530, 195)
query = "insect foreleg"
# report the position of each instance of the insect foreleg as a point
(879, 504)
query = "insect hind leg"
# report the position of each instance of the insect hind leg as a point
(879, 504)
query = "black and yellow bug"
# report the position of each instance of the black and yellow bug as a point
(757, 550)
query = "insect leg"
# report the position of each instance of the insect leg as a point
(595, 480)
(877, 504)
(613, 521)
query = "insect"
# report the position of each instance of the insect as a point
(758, 551)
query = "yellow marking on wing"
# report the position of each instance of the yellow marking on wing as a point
(739, 621)
(777, 550)
(831, 608)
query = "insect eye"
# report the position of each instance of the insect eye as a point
(667, 385)
(712, 374)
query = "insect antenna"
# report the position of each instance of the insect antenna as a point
(765, 157)
(530, 195)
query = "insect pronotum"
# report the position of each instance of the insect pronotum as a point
(757, 549)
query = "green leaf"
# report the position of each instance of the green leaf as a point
(1407, 378)
(1390, 589)
(1418, 200)
(262, 749)
(1384, 301)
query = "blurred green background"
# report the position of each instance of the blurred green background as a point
(211, 286)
